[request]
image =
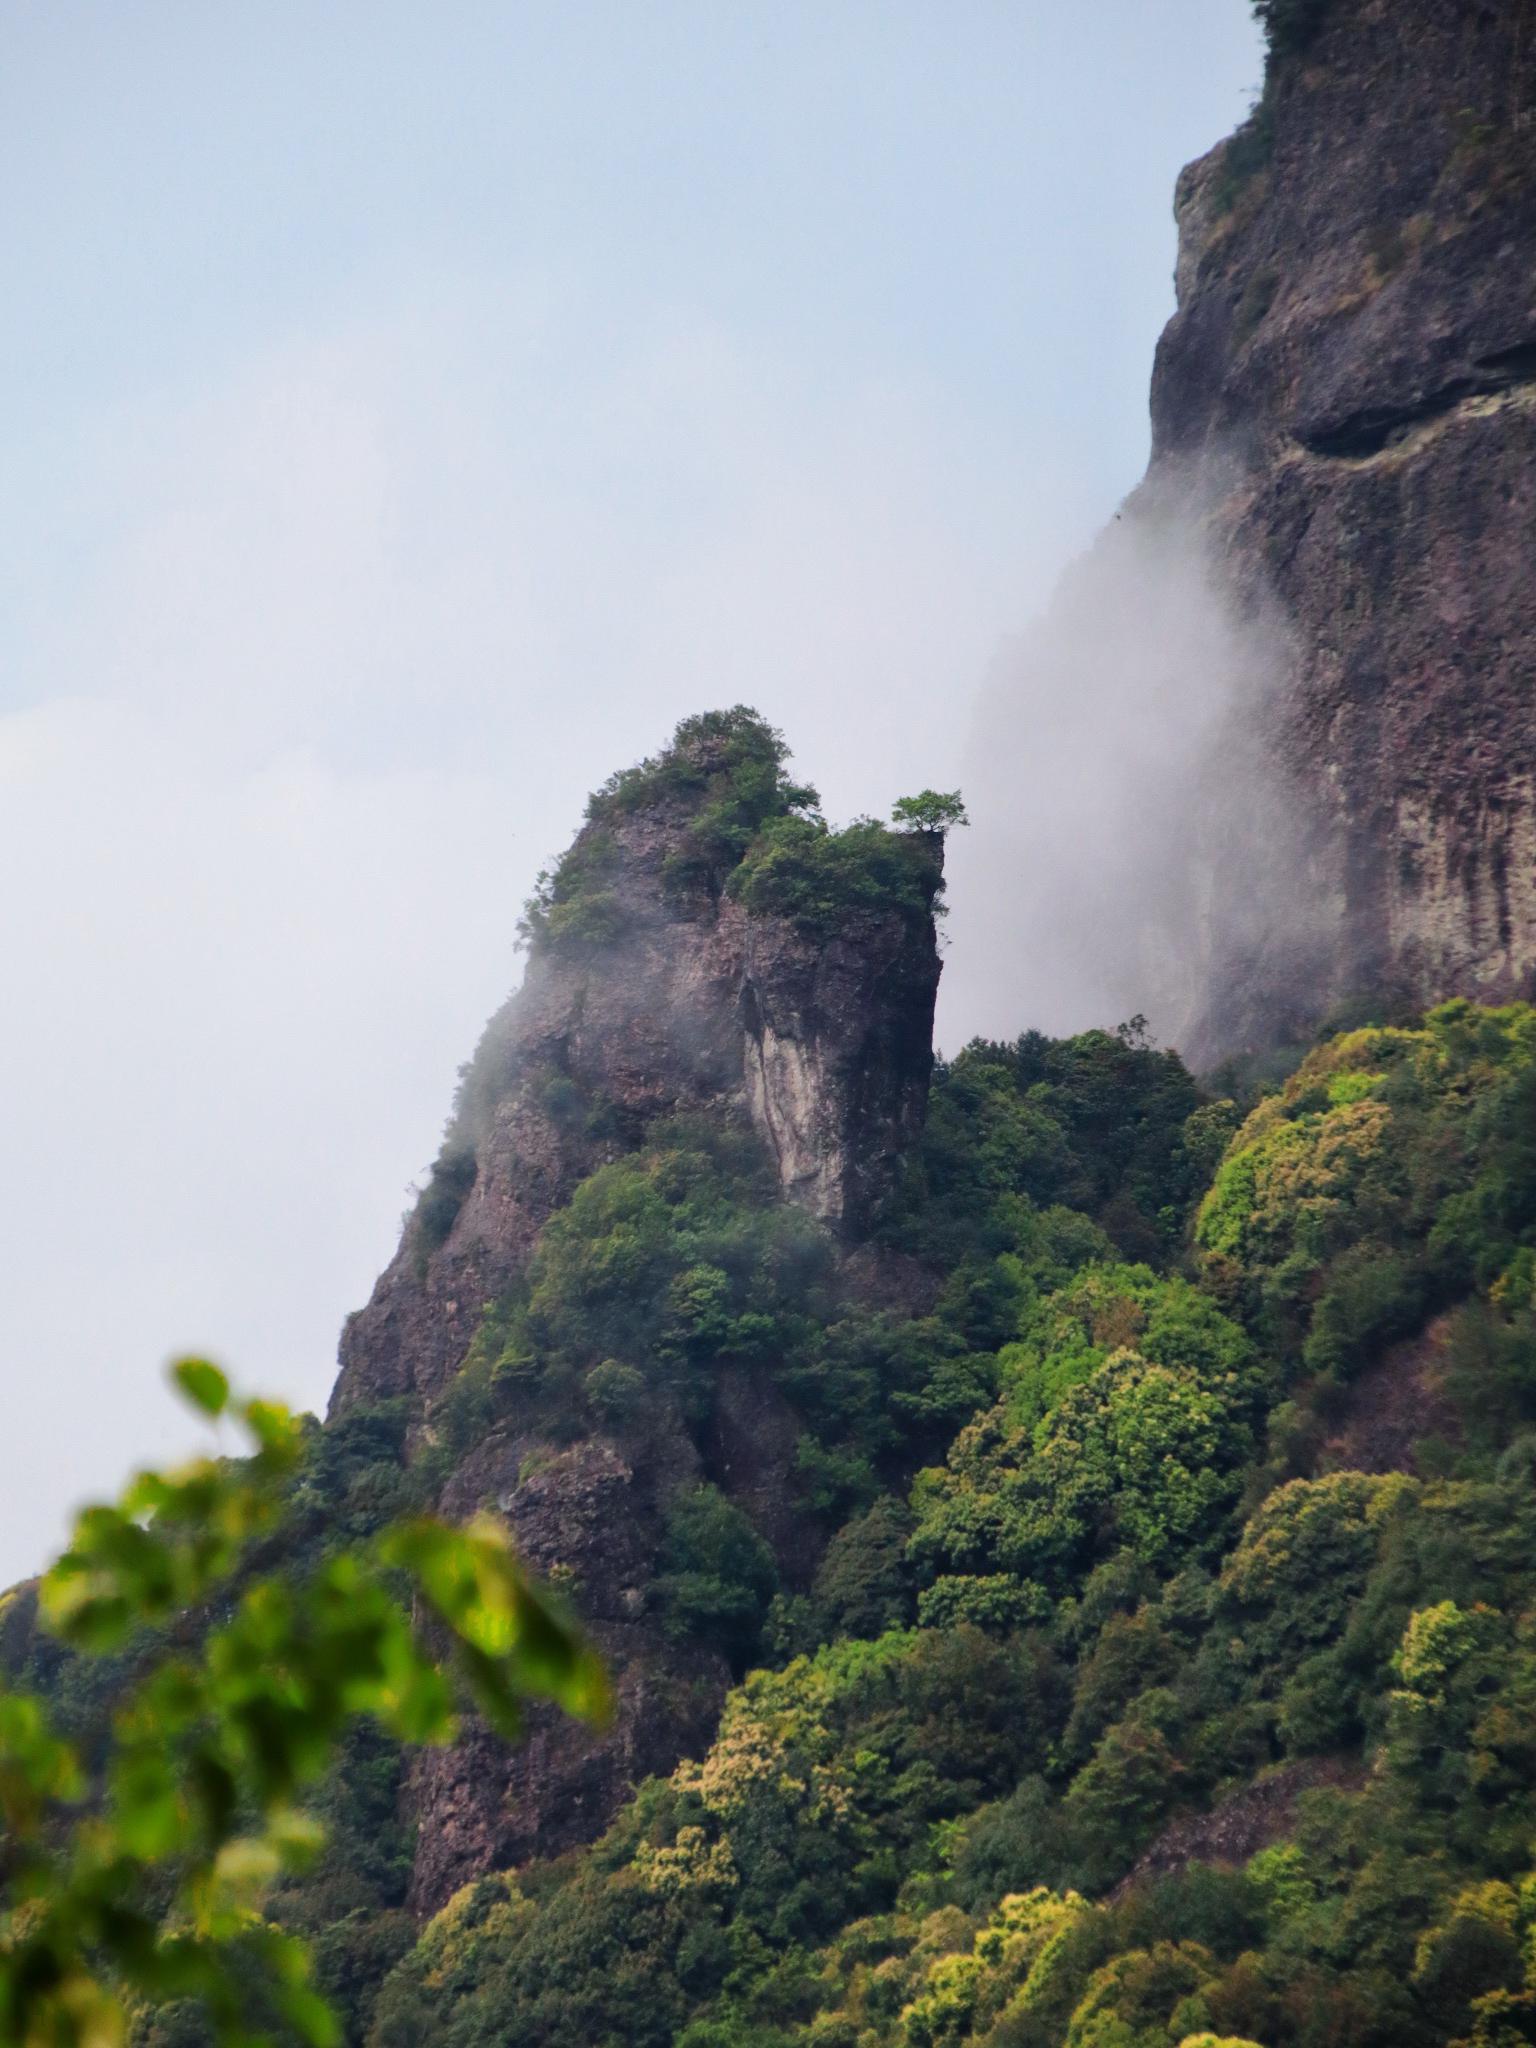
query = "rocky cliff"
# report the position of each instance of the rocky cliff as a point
(788, 994)
(1281, 751)
(650, 991)
(1351, 378)
(1303, 659)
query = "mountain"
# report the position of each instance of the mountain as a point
(1353, 371)
(723, 1000)
(800, 1007)
(1079, 1592)
(1060, 1529)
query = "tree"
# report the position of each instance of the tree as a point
(1290, 25)
(931, 810)
(142, 1881)
(717, 1574)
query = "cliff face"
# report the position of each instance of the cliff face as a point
(1274, 745)
(650, 993)
(1348, 389)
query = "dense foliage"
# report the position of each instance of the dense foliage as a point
(1396, 1170)
(1105, 1578)
(801, 869)
(1290, 25)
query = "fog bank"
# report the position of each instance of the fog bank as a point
(1129, 829)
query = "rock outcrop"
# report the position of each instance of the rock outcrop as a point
(651, 992)
(588, 1516)
(1315, 620)
(823, 1040)
(1350, 378)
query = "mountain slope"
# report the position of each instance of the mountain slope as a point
(725, 1004)
(1139, 1586)
(1061, 1533)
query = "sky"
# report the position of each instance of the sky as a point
(408, 413)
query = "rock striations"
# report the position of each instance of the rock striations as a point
(653, 990)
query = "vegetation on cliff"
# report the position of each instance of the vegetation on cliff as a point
(1101, 1562)
(1100, 1578)
(739, 825)
(1290, 25)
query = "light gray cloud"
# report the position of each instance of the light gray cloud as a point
(1126, 824)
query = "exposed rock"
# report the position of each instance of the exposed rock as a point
(752, 1454)
(589, 1518)
(684, 1002)
(1394, 1406)
(1352, 375)
(1328, 789)
(825, 1043)
(1243, 1823)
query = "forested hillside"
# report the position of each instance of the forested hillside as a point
(1169, 1667)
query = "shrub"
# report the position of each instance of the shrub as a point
(716, 757)
(723, 773)
(1142, 1997)
(1139, 1456)
(717, 1575)
(615, 1392)
(1033, 1147)
(452, 1176)
(931, 810)
(1290, 25)
(800, 869)
(573, 903)
(1303, 1559)
(1395, 1169)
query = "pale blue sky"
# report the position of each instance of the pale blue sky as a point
(408, 413)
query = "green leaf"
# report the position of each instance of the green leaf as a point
(147, 1805)
(513, 1640)
(275, 1428)
(309, 2015)
(202, 1383)
(195, 1811)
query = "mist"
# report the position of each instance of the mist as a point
(1130, 839)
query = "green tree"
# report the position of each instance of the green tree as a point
(717, 1575)
(1290, 25)
(931, 810)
